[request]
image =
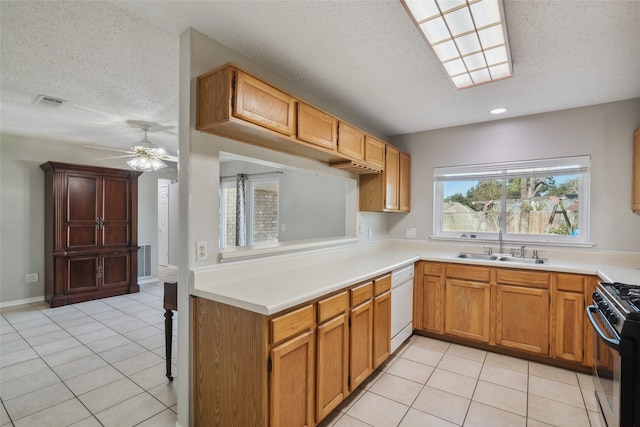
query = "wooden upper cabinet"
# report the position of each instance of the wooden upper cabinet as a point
(404, 186)
(389, 191)
(317, 127)
(374, 151)
(635, 202)
(263, 104)
(232, 103)
(351, 141)
(392, 179)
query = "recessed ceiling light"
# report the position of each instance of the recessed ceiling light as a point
(498, 110)
(468, 37)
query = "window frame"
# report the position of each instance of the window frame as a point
(503, 171)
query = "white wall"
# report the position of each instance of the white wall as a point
(602, 131)
(22, 209)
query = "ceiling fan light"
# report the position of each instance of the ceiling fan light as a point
(146, 164)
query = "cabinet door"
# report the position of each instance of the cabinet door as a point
(115, 269)
(405, 182)
(381, 328)
(374, 151)
(522, 318)
(292, 382)
(351, 141)
(361, 355)
(82, 211)
(569, 326)
(391, 173)
(264, 105)
(81, 273)
(332, 370)
(317, 127)
(115, 212)
(432, 294)
(467, 312)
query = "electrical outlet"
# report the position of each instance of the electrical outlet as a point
(361, 227)
(201, 251)
(32, 277)
(370, 233)
(283, 227)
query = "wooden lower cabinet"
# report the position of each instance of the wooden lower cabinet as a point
(467, 309)
(522, 318)
(429, 298)
(332, 369)
(526, 311)
(361, 334)
(381, 320)
(290, 369)
(568, 316)
(292, 382)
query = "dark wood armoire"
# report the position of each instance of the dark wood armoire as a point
(91, 232)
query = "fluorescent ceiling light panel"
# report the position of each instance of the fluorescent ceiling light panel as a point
(469, 38)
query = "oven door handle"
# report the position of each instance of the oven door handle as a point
(610, 342)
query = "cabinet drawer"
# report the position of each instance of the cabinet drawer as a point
(361, 293)
(332, 306)
(291, 324)
(570, 282)
(432, 269)
(381, 285)
(476, 274)
(526, 278)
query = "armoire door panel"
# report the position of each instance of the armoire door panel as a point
(82, 198)
(82, 274)
(115, 200)
(82, 236)
(115, 235)
(115, 270)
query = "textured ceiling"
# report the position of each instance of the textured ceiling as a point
(116, 61)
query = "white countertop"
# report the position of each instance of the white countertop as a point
(272, 284)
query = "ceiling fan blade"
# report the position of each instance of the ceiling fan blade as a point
(118, 157)
(107, 149)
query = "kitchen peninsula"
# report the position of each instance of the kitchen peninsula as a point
(261, 327)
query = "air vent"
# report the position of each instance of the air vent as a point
(49, 101)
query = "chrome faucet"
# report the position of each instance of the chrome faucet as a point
(500, 239)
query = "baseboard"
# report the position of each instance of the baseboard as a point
(21, 301)
(147, 280)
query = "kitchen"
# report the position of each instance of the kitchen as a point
(553, 134)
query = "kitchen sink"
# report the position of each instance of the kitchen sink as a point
(500, 257)
(483, 257)
(523, 260)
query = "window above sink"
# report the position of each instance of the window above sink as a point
(540, 201)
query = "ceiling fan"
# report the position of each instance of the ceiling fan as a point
(145, 155)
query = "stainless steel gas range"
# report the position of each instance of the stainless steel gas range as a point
(615, 316)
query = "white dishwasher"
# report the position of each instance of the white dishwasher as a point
(401, 306)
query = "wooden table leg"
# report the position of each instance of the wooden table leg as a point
(168, 338)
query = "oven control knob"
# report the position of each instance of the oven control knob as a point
(596, 296)
(613, 318)
(608, 313)
(602, 305)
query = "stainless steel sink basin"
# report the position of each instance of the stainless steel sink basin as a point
(483, 257)
(524, 260)
(500, 257)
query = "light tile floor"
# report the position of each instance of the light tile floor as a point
(101, 363)
(96, 363)
(434, 383)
